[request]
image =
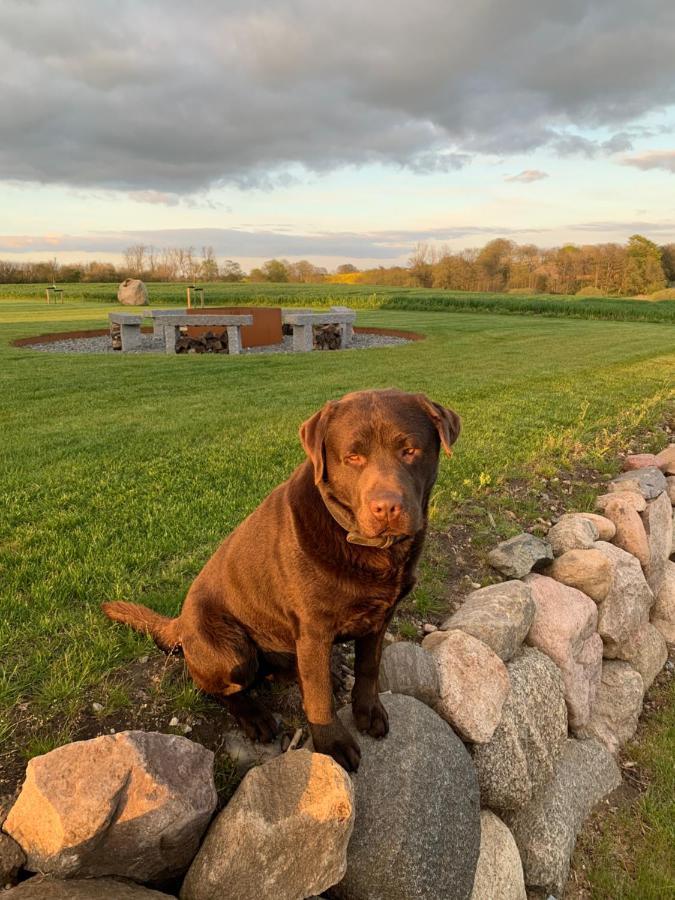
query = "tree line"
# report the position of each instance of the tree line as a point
(638, 267)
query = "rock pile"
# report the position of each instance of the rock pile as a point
(327, 337)
(518, 704)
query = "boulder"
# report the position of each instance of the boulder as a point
(12, 859)
(586, 570)
(572, 532)
(663, 610)
(626, 607)
(545, 830)
(133, 804)
(47, 888)
(651, 481)
(417, 829)
(630, 531)
(132, 292)
(605, 526)
(520, 758)
(632, 498)
(658, 524)
(670, 488)
(639, 461)
(665, 460)
(617, 707)
(519, 555)
(407, 668)
(473, 683)
(499, 615)
(649, 654)
(284, 833)
(500, 872)
(564, 628)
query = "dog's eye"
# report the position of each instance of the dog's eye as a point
(409, 452)
(354, 458)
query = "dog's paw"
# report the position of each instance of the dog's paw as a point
(371, 719)
(334, 740)
(255, 720)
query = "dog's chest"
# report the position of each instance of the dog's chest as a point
(369, 611)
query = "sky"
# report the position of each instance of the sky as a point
(333, 131)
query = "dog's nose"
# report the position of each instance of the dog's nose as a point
(387, 508)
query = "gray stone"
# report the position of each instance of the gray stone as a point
(499, 875)
(47, 888)
(648, 654)
(133, 804)
(245, 753)
(618, 704)
(519, 555)
(132, 292)
(407, 668)
(12, 859)
(499, 615)
(417, 830)
(545, 830)
(572, 532)
(520, 757)
(670, 488)
(284, 833)
(658, 523)
(626, 607)
(650, 479)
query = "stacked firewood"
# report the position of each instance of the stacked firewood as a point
(327, 337)
(116, 336)
(207, 343)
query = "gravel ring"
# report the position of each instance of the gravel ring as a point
(152, 344)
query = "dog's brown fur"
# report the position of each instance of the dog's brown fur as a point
(287, 584)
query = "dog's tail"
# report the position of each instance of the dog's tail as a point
(164, 631)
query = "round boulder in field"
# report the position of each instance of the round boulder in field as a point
(132, 292)
(417, 828)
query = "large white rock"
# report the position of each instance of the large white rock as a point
(284, 833)
(473, 683)
(134, 804)
(499, 873)
(132, 292)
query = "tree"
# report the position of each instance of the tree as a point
(420, 265)
(668, 261)
(494, 260)
(231, 271)
(644, 272)
(275, 270)
(346, 269)
(208, 268)
(134, 258)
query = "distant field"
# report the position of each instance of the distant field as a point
(371, 297)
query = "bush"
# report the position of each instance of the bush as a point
(590, 292)
(665, 294)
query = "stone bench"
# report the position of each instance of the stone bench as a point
(172, 322)
(303, 322)
(158, 330)
(130, 329)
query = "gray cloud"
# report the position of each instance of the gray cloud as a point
(652, 159)
(173, 97)
(527, 176)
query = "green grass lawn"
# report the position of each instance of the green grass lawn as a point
(120, 475)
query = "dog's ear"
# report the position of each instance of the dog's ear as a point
(313, 436)
(446, 421)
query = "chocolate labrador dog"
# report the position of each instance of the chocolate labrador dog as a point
(324, 558)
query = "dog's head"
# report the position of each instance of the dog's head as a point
(375, 453)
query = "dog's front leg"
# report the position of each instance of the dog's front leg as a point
(329, 735)
(369, 713)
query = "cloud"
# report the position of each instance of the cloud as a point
(172, 97)
(233, 242)
(652, 159)
(527, 176)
